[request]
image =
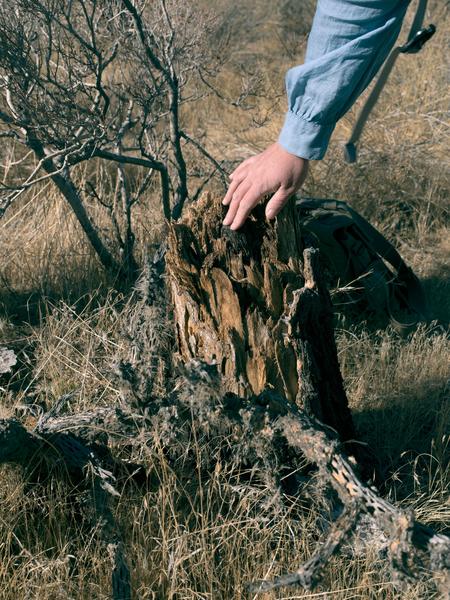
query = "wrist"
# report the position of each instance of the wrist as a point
(305, 139)
(291, 155)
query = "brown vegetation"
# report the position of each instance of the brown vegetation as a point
(199, 525)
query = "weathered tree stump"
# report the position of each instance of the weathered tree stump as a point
(247, 302)
(254, 304)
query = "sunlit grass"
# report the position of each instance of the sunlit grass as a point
(189, 536)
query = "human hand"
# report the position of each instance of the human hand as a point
(273, 171)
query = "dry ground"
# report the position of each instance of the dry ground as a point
(204, 539)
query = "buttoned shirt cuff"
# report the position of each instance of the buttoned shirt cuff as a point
(305, 138)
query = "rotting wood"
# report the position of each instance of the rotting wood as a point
(414, 548)
(229, 290)
(237, 296)
(33, 449)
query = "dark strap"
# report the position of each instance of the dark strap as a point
(416, 39)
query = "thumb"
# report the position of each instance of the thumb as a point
(277, 202)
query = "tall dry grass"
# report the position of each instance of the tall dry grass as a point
(191, 537)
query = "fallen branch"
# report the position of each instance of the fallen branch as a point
(413, 547)
(49, 449)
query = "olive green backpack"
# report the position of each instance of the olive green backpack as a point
(366, 265)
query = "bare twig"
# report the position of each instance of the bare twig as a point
(26, 448)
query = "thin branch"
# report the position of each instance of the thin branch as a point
(151, 55)
(207, 155)
(131, 160)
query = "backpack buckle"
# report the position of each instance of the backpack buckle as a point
(419, 40)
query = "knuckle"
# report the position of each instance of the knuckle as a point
(287, 189)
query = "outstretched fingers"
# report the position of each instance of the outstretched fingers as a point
(246, 197)
(274, 171)
(237, 177)
(231, 190)
(236, 199)
(245, 206)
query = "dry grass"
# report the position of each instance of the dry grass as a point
(194, 538)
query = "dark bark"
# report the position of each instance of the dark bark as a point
(181, 190)
(61, 178)
(67, 188)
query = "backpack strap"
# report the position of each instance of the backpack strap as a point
(417, 37)
(413, 294)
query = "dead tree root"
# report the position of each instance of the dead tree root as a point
(46, 449)
(414, 549)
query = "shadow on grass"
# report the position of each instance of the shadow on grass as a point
(29, 306)
(408, 438)
(436, 287)
(437, 290)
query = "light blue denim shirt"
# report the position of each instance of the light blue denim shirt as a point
(348, 43)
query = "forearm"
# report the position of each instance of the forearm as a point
(348, 43)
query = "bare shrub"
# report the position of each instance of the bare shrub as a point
(89, 80)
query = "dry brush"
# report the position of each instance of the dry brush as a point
(265, 424)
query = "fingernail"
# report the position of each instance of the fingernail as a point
(270, 214)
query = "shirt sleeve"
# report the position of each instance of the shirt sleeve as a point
(349, 41)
